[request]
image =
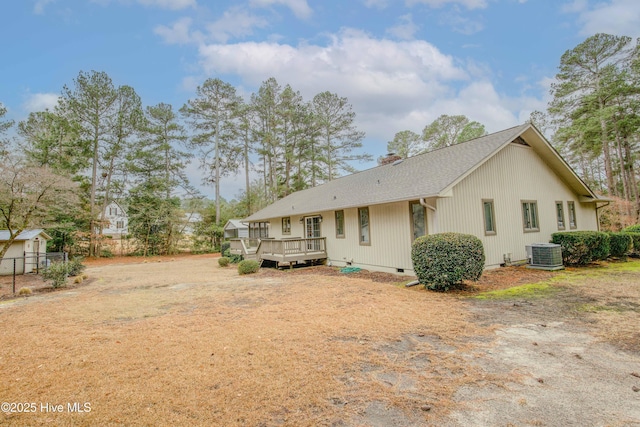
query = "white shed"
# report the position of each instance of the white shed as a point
(234, 229)
(28, 249)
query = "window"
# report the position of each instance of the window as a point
(572, 214)
(560, 215)
(340, 224)
(418, 220)
(530, 215)
(258, 230)
(286, 225)
(363, 217)
(489, 217)
(119, 224)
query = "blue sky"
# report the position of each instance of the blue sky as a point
(401, 63)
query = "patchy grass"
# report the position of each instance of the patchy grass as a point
(604, 295)
(531, 290)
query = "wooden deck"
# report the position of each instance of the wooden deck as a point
(282, 251)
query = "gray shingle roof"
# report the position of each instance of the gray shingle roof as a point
(425, 175)
(25, 235)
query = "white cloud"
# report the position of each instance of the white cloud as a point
(352, 61)
(393, 85)
(38, 7)
(177, 33)
(300, 8)
(619, 17)
(169, 4)
(40, 102)
(405, 30)
(235, 22)
(163, 4)
(469, 4)
(575, 6)
(378, 4)
(461, 24)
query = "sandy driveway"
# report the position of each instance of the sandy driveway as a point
(184, 342)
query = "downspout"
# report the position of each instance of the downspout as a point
(424, 203)
(598, 215)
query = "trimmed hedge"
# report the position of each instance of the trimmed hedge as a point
(446, 259)
(620, 244)
(223, 261)
(248, 266)
(582, 247)
(635, 245)
(632, 229)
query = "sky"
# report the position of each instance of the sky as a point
(400, 63)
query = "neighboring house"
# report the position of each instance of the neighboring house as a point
(191, 219)
(29, 248)
(234, 229)
(116, 221)
(509, 188)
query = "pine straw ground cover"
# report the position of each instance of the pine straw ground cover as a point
(182, 341)
(186, 342)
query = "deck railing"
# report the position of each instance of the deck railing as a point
(294, 246)
(282, 250)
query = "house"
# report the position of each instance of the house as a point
(191, 220)
(29, 249)
(116, 221)
(510, 188)
(234, 229)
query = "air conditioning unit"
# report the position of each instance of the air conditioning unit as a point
(545, 256)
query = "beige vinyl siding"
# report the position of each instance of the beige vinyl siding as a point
(16, 250)
(390, 232)
(514, 174)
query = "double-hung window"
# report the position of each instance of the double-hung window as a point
(363, 222)
(489, 215)
(560, 215)
(340, 224)
(418, 220)
(286, 225)
(571, 207)
(530, 215)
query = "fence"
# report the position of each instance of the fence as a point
(29, 263)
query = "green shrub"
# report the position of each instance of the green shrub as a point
(235, 259)
(632, 229)
(75, 266)
(446, 259)
(248, 266)
(224, 248)
(223, 261)
(582, 247)
(57, 273)
(106, 253)
(619, 244)
(635, 245)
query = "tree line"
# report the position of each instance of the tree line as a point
(100, 144)
(594, 119)
(104, 146)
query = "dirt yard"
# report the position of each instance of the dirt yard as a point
(181, 341)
